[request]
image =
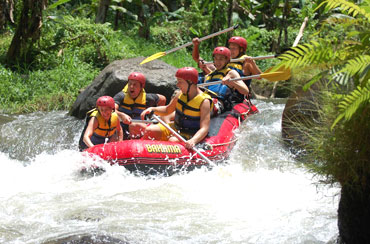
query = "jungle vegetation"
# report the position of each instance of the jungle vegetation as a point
(50, 49)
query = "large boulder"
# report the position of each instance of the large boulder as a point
(111, 80)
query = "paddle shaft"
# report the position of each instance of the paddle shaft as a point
(242, 59)
(181, 138)
(202, 39)
(142, 121)
(235, 79)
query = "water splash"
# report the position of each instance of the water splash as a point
(259, 196)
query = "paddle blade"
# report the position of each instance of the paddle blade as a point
(281, 73)
(154, 56)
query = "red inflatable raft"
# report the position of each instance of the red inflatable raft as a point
(153, 157)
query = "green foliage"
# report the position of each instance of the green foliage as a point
(28, 91)
(346, 6)
(352, 102)
(72, 51)
(347, 57)
(339, 138)
(260, 43)
(56, 4)
(170, 34)
(341, 154)
(70, 39)
(93, 43)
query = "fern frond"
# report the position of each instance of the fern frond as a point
(307, 54)
(352, 102)
(339, 76)
(334, 20)
(346, 6)
(356, 65)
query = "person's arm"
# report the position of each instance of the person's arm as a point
(195, 53)
(93, 124)
(250, 67)
(162, 110)
(119, 131)
(124, 117)
(118, 98)
(206, 68)
(205, 119)
(238, 85)
(161, 100)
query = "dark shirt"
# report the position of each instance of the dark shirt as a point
(151, 98)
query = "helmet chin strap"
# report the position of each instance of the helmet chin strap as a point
(187, 92)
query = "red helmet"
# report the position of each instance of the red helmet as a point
(222, 51)
(240, 41)
(139, 77)
(105, 101)
(188, 73)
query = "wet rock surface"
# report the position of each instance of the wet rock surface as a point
(87, 239)
(111, 80)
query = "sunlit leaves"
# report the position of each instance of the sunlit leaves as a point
(357, 65)
(346, 6)
(352, 102)
(344, 59)
(56, 4)
(314, 53)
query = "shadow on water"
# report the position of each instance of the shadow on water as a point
(87, 239)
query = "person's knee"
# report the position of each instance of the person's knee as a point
(136, 130)
(173, 139)
(149, 132)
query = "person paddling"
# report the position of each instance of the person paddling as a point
(102, 124)
(238, 48)
(131, 101)
(228, 92)
(192, 116)
(206, 68)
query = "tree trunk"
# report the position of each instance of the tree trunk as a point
(229, 19)
(101, 15)
(216, 26)
(354, 214)
(145, 13)
(269, 15)
(2, 14)
(27, 33)
(117, 17)
(285, 25)
(6, 13)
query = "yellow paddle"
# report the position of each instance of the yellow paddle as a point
(161, 54)
(279, 74)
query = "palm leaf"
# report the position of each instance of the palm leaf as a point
(306, 54)
(357, 65)
(349, 7)
(339, 75)
(352, 103)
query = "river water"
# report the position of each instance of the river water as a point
(261, 195)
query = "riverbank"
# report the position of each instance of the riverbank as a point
(63, 67)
